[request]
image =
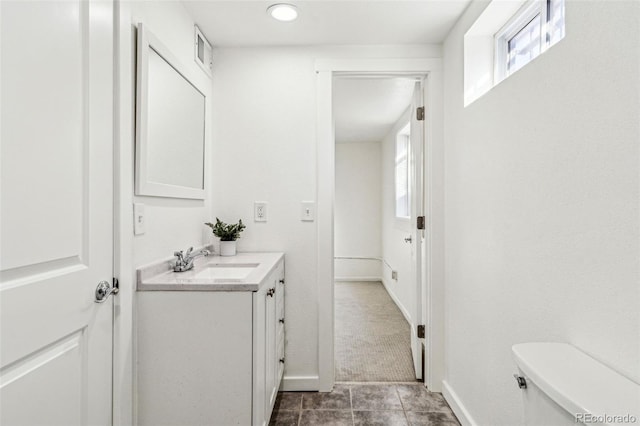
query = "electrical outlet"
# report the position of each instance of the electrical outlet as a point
(260, 211)
(394, 275)
(138, 219)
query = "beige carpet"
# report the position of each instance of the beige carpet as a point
(372, 337)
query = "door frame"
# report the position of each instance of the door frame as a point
(433, 259)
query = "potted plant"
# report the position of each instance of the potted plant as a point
(228, 234)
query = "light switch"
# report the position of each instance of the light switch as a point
(308, 211)
(138, 219)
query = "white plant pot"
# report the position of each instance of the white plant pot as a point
(227, 248)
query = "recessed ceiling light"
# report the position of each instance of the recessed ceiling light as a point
(283, 12)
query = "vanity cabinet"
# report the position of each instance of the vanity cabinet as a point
(211, 356)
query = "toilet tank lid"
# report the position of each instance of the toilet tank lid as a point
(577, 382)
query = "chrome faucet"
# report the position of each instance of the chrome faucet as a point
(184, 261)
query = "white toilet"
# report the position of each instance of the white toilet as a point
(562, 385)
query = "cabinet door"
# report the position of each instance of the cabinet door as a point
(280, 324)
(269, 311)
(270, 323)
(260, 412)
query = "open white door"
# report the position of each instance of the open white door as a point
(416, 167)
(56, 193)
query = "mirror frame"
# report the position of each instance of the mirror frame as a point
(143, 186)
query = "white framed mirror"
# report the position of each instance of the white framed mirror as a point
(170, 124)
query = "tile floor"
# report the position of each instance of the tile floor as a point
(364, 404)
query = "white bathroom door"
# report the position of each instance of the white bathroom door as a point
(56, 202)
(416, 179)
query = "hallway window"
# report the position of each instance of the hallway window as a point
(402, 173)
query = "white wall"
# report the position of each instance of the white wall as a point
(395, 251)
(542, 190)
(264, 148)
(358, 208)
(170, 223)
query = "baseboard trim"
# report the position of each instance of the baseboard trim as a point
(393, 297)
(456, 405)
(300, 383)
(356, 279)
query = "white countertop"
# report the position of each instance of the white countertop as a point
(159, 276)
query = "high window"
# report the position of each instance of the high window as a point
(534, 28)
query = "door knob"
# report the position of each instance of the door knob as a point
(104, 290)
(408, 239)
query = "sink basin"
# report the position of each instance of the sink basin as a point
(227, 271)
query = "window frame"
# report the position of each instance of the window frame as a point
(405, 134)
(512, 28)
(527, 13)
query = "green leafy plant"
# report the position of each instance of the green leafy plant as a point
(225, 231)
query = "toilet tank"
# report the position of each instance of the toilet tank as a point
(565, 386)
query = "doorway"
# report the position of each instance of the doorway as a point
(375, 278)
(432, 260)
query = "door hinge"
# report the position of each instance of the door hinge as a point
(421, 332)
(420, 113)
(116, 286)
(420, 222)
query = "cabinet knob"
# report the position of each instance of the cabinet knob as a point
(271, 292)
(281, 320)
(282, 360)
(282, 281)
